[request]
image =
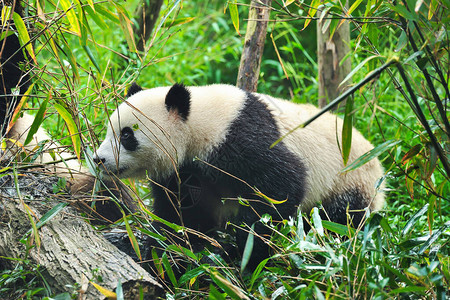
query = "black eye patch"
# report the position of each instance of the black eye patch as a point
(128, 140)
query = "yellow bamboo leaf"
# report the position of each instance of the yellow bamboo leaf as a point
(105, 292)
(73, 130)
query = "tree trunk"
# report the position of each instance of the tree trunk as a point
(255, 37)
(70, 250)
(146, 15)
(330, 53)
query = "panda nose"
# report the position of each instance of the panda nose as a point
(98, 160)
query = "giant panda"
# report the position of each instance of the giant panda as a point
(205, 148)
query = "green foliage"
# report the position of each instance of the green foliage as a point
(85, 60)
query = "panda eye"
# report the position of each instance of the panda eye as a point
(128, 139)
(126, 134)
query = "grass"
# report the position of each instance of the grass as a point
(402, 252)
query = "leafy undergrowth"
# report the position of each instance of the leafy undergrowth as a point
(381, 260)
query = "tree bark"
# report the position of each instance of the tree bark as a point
(255, 37)
(147, 13)
(70, 251)
(330, 53)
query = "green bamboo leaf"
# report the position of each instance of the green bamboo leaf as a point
(338, 228)
(227, 286)
(96, 17)
(192, 274)
(178, 21)
(127, 29)
(347, 130)
(434, 237)
(72, 127)
(23, 35)
(182, 251)
(107, 13)
(234, 13)
(157, 263)
(169, 270)
(402, 41)
(119, 291)
(368, 156)
(132, 237)
(433, 5)
(312, 11)
(248, 248)
(37, 120)
(92, 58)
(359, 66)
(71, 16)
(214, 294)
(48, 216)
(256, 273)
(175, 227)
(414, 219)
(71, 59)
(317, 220)
(354, 6)
(5, 34)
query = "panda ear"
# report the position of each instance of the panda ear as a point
(134, 88)
(178, 99)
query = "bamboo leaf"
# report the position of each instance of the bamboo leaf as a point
(229, 288)
(248, 249)
(92, 58)
(356, 69)
(127, 29)
(157, 263)
(37, 119)
(24, 37)
(354, 6)
(268, 199)
(192, 274)
(434, 237)
(234, 13)
(175, 227)
(72, 127)
(169, 270)
(368, 156)
(19, 106)
(414, 219)
(132, 237)
(6, 14)
(312, 11)
(347, 130)
(71, 16)
(34, 228)
(338, 228)
(48, 216)
(105, 292)
(317, 220)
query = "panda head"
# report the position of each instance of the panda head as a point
(147, 133)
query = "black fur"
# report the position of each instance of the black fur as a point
(128, 140)
(245, 154)
(179, 99)
(336, 207)
(12, 74)
(134, 88)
